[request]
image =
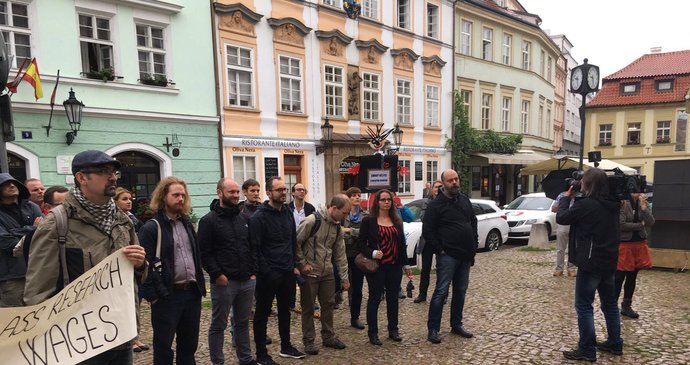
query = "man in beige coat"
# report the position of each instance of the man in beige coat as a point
(313, 258)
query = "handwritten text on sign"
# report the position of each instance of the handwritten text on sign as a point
(91, 315)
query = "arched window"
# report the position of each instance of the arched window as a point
(140, 175)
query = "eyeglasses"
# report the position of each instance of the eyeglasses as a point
(281, 190)
(386, 200)
(103, 171)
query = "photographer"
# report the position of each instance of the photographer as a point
(635, 219)
(594, 238)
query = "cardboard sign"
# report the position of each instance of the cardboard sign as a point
(93, 314)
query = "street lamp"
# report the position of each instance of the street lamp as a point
(397, 137)
(73, 108)
(326, 137)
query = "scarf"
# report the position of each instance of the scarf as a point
(356, 217)
(103, 214)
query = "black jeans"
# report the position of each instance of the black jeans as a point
(356, 277)
(629, 277)
(177, 314)
(268, 286)
(110, 357)
(386, 277)
(427, 257)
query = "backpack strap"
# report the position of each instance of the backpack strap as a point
(158, 238)
(314, 229)
(60, 213)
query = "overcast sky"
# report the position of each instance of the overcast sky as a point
(614, 33)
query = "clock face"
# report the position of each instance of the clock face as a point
(576, 79)
(593, 78)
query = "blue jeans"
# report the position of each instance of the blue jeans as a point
(387, 277)
(237, 296)
(586, 284)
(449, 269)
(111, 357)
(177, 315)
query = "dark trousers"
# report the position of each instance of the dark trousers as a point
(387, 278)
(111, 357)
(629, 278)
(356, 277)
(178, 314)
(280, 286)
(586, 285)
(427, 257)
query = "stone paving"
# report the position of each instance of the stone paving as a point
(519, 313)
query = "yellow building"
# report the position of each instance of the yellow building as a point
(287, 66)
(640, 114)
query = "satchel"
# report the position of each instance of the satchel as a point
(365, 264)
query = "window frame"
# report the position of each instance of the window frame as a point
(487, 106)
(657, 84)
(334, 3)
(605, 134)
(244, 170)
(507, 48)
(524, 116)
(336, 107)
(400, 116)
(634, 128)
(291, 79)
(370, 9)
(405, 180)
(466, 96)
(505, 113)
(403, 18)
(12, 30)
(151, 50)
(526, 55)
(487, 44)
(433, 21)
(240, 69)
(432, 170)
(373, 115)
(96, 40)
(433, 103)
(466, 37)
(665, 135)
(635, 85)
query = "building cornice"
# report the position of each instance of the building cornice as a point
(433, 59)
(398, 51)
(275, 23)
(335, 33)
(153, 5)
(223, 9)
(380, 48)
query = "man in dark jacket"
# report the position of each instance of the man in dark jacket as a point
(272, 231)
(251, 189)
(300, 209)
(594, 238)
(18, 218)
(230, 261)
(174, 290)
(450, 228)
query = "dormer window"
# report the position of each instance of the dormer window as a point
(664, 85)
(630, 88)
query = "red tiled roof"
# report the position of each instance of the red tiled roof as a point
(610, 94)
(656, 64)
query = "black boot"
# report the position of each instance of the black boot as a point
(626, 309)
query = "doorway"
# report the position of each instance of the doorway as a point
(292, 174)
(140, 174)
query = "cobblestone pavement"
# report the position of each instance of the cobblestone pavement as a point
(519, 313)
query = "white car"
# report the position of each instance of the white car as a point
(529, 209)
(491, 226)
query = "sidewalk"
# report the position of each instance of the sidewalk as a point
(519, 313)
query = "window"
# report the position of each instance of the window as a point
(466, 38)
(466, 97)
(290, 84)
(524, 117)
(151, 48)
(240, 76)
(630, 88)
(605, 134)
(634, 133)
(404, 102)
(335, 3)
(664, 85)
(14, 24)
(476, 178)
(549, 61)
(432, 171)
(486, 111)
(548, 123)
(542, 63)
(432, 20)
(541, 121)
(96, 46)
(487, 38)
(404, 183)
(507, 44)
(334, 91)
(404, 14)
(663, 132)
(432, 106)
(370, 9)
(243, 168)
(505, 114)
(371, 92)
(526, 57)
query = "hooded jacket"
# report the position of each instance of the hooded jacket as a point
(273, 233)
(11, 230)
(628, 225)
(224, 243)
(327, 245)
(351, 238)
(594, 231)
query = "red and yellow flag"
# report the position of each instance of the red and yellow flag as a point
(33, 77)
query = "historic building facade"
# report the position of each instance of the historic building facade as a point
(571, 122)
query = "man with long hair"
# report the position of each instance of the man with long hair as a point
(176, 300)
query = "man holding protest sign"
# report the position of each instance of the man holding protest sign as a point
(176, 282)
(95, 229)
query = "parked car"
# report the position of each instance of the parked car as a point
(491, 225)
(529, 209)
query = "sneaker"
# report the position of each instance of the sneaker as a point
(311, 349)
(607, 347)
(265, 360)
(579, 355)
(334, 344)
(292, 353)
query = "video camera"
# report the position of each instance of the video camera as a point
(620, 184)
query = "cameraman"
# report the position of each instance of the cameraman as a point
(635, 219)
(594, 222)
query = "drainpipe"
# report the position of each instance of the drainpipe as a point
(455, 80)
(219, 102)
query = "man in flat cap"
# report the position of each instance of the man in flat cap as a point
(18, 219)
(96, 228)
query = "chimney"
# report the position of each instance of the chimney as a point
(654, 50)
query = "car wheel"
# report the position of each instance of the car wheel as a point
(548, 231)
(493, 240)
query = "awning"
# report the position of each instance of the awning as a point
(551, 164)
(520, 158)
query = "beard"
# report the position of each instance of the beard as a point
(228, 202)
(110, 190)
(454, 190)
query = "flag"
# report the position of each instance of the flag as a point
(34, 78)
(12, 86)
(52, 96)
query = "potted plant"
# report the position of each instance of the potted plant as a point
(144, 211)
(106, 74)
(158, 80)
(604, 142)
(665, 139)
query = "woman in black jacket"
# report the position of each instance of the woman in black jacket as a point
(594, 238)
(382, 238)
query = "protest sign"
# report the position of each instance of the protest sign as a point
(93, 314)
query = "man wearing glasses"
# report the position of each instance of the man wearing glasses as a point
(272, 231)
(96, 228)
(300, 209)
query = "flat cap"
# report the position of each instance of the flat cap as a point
(92, 158)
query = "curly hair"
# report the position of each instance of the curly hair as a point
(161, 190)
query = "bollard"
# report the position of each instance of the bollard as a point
(538, 236)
